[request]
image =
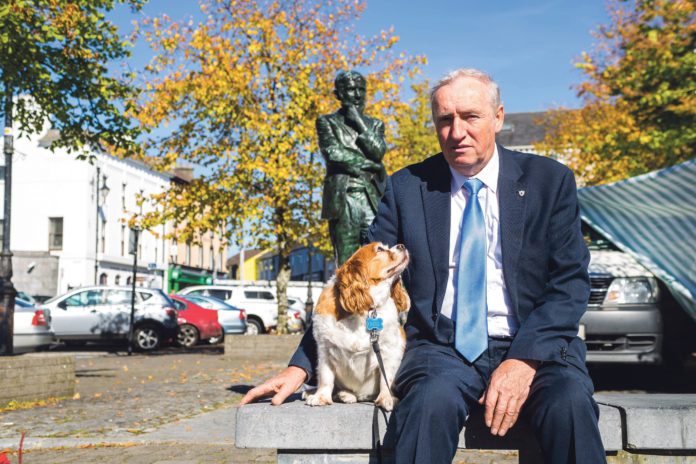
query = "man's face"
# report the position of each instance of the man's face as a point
(351, 93)
(466, 124)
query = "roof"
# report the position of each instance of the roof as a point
(653, 218)
(520, 129)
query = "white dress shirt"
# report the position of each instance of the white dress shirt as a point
(501, 321)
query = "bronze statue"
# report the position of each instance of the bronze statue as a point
(353, 146)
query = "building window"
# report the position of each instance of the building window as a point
(123, 240)
(117, 280)
(123, 197)
(55, 233)
(188, 254)
(200, 257)
(102, 278)
(211, 264)
(219, 266)
(103, 235)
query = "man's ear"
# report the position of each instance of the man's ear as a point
(353, 288)
(499, 118)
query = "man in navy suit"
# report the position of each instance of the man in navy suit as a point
(536, 290)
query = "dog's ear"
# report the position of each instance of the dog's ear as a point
(353, 287)
(400, 297)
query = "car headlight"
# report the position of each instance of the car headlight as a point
(632, 290)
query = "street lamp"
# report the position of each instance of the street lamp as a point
(7, 290)
(102, 191)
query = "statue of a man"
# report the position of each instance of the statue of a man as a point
(353, 146)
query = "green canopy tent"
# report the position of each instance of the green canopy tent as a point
(653, 218)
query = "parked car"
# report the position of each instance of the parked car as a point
(102, 312)
(260, 304)
(623, 322)
(32, 327)
(195, 323)
(26, 297)
(298, 304)
(232, 319)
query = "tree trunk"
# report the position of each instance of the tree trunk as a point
(282, 284)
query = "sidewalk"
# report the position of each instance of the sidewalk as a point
(141, 409)
(173, 406)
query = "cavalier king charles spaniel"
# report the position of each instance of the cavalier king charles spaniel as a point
(367, 284)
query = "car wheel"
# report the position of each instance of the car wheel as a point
(216, 340)
(253, 327)
(146, 337)
(187, 335)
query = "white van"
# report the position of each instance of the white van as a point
(260, 304)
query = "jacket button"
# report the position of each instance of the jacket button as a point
(563, 353)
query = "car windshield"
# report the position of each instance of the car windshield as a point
(22, 303)
(595, 240)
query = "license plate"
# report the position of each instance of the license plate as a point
(581, 331)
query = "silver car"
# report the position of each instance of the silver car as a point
(101, 312)
(231, 318)
(32, 327)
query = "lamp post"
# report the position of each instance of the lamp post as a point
(133, 248)
(7, 290)
(103, 191)
(309, 304)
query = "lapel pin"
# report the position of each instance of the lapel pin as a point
(521, 192)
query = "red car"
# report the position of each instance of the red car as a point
(195, 323)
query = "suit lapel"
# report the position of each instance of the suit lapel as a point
(513, 202)
(436, 209)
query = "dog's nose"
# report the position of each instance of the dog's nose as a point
(400, 247)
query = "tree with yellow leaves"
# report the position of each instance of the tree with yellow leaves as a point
(413, 137)
(242, 90)
(639, 110)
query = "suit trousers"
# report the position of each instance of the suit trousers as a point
(437, 388)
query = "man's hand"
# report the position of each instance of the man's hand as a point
(506, 393)
(281, 386)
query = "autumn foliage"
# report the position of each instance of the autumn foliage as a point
(240, 92)
(53, 59)
(639, 111)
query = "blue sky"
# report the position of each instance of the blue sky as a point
(526, 45)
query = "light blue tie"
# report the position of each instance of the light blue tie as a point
(471, 336)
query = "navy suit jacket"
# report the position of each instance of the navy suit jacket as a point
(545, 257)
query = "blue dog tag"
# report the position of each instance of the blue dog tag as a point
(374, 323)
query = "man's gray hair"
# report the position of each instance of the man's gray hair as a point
(493, 89)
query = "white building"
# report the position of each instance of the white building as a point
(64, 234)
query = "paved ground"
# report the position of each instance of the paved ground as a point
(177, 406)
(173, 406)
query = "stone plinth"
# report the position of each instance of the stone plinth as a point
(24, 378)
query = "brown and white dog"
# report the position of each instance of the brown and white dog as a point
(347, 368)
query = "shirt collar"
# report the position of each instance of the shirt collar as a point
(488, 175)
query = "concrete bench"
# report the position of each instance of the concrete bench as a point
(633, 426)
